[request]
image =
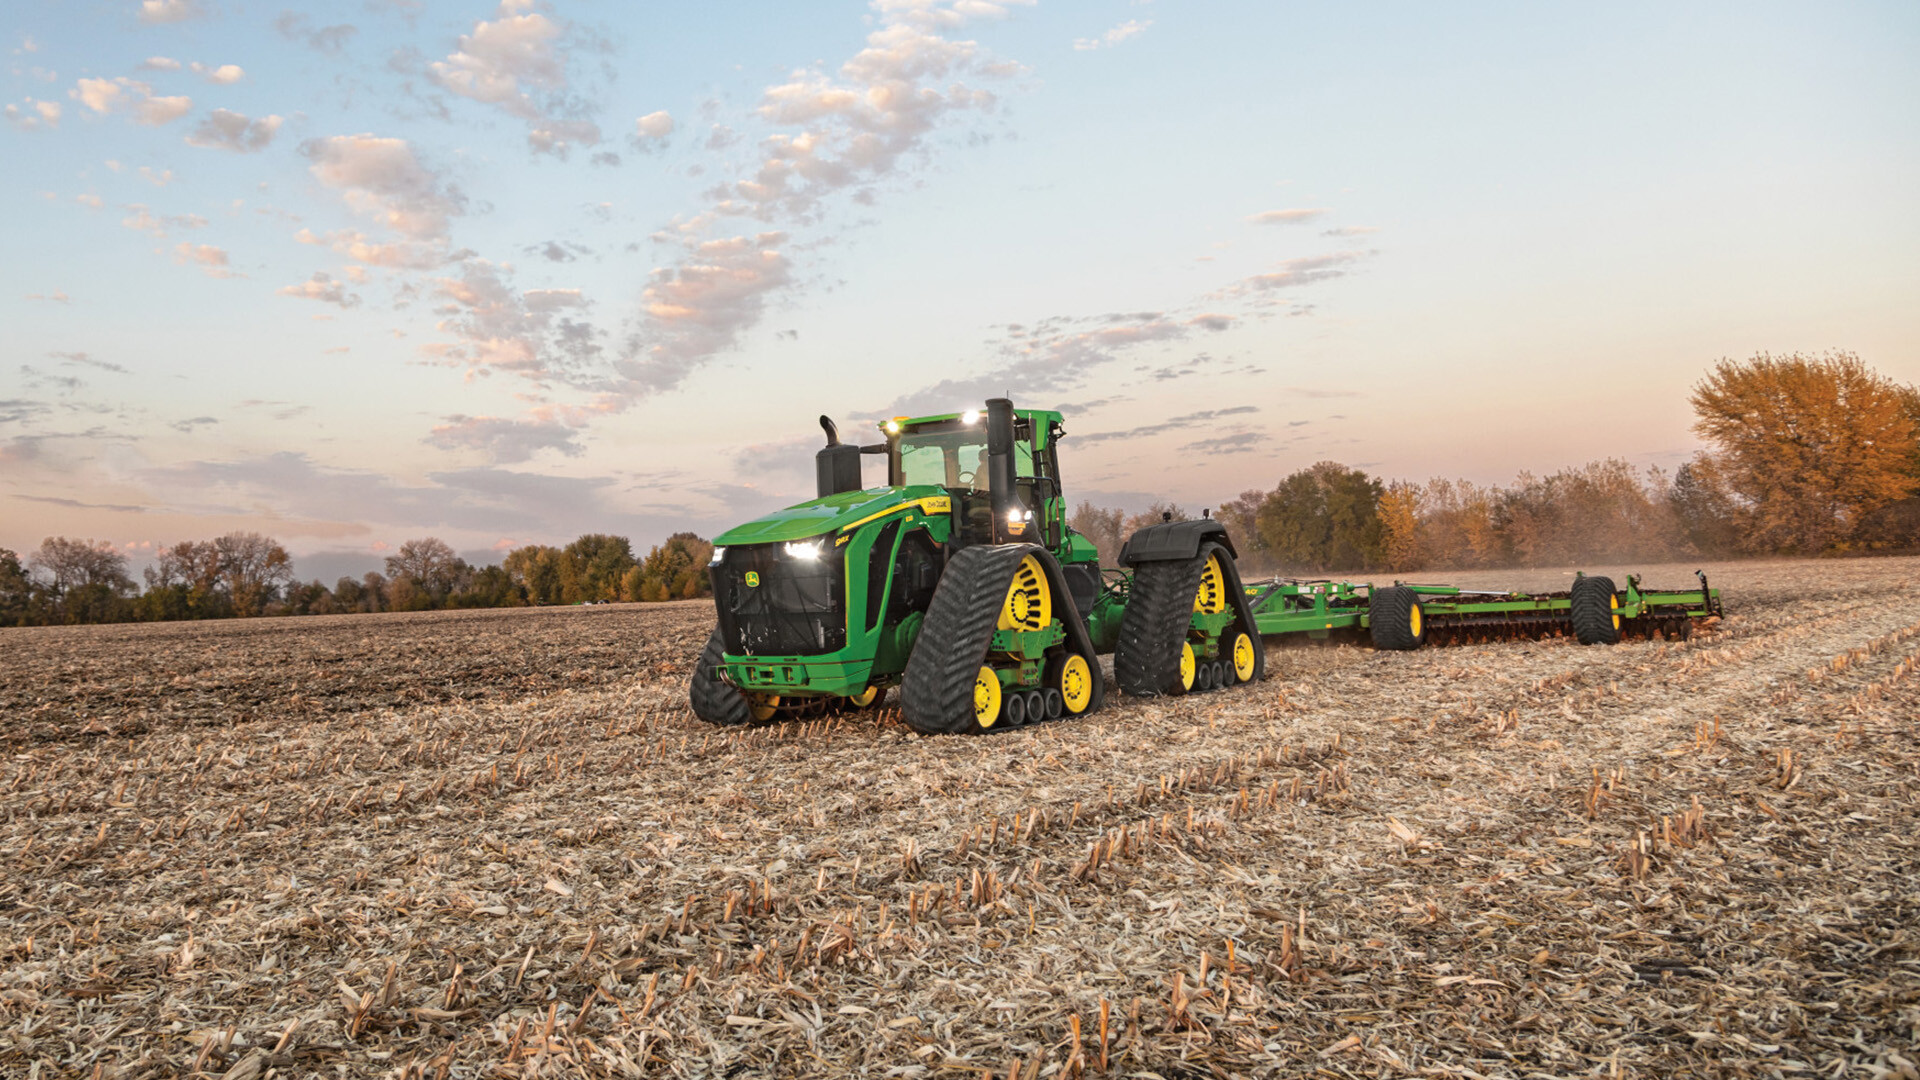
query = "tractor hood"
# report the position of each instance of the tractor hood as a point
(818, 517)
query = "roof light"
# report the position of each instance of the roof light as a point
(893, 427)
(804, 549)
(718, 554)
(971, 416)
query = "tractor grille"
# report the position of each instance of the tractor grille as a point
(799, 607)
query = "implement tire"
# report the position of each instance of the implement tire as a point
(714, 701)
(936, 692)
(1396, 619)
(1594, 611)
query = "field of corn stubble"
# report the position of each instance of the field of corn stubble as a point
(497, 844)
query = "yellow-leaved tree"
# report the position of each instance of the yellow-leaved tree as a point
(1810, 446)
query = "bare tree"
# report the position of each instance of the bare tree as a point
(253, 567)
(74, 564)
(430, 563)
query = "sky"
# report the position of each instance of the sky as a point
(352, 273)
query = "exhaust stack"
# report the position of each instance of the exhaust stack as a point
(1012, 521)
(836, 466)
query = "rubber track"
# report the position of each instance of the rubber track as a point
(1146, 659)
(936, 692)
(714, 701)
(1591, 612)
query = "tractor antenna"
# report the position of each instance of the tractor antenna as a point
(1206, 511)
(1166, 515)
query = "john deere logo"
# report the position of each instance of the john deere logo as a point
(753, 579)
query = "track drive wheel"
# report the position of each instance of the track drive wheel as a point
(1595, 611)
(1395, 619)
(715, 701)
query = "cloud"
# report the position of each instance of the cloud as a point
(187, 427)
(700, 307)
(651, 130)
(85, 360)
(322, 287)
(111, 95)
(167, 11)
(1293, 273)
(357, 246)
(851, 130)
(158, 179)
(515, 64)
(224, 75)
(21, 410)
(489, 500)
(1130, 28)
(1312, 392)
(1288, 217)
(1046, 359)
(557, 251)
(57, 296)
(326, 39)
(537, 334)
(211, 260)
(53, 500)
(143, 220)
(155, 111)
(226, 130)
(1351, 230)
(34, 115)
(104, 95)
(380, 178)
(1205, 416)
(159, 63)
(1213, 321)
(89, 199)
(1240, 442)
(504, 441)
(857, 127)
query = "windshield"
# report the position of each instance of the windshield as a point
(951, 454)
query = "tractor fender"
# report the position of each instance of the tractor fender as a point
(1172, 541)
(1242, 607)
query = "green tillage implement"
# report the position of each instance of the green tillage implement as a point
(1407, 615)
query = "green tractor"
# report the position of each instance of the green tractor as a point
(960, 583)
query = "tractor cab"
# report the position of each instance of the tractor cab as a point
(953, 451)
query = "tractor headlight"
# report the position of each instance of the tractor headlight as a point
(718, 554)
(971, 416)
(804, 549)
(1016, 517)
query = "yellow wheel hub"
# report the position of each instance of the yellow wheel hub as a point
(1076, 684)
(1187, 665)
(1242, 658)
(986, 697)
(1029, 605)
(1413, 620)
(864, 698)
(763, 706)
(1211, 597)
(1614, 603)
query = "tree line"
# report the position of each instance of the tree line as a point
(245, 574)
(1806, 456)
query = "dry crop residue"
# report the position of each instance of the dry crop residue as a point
(505, 848)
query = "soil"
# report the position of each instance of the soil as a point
(499, 844)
